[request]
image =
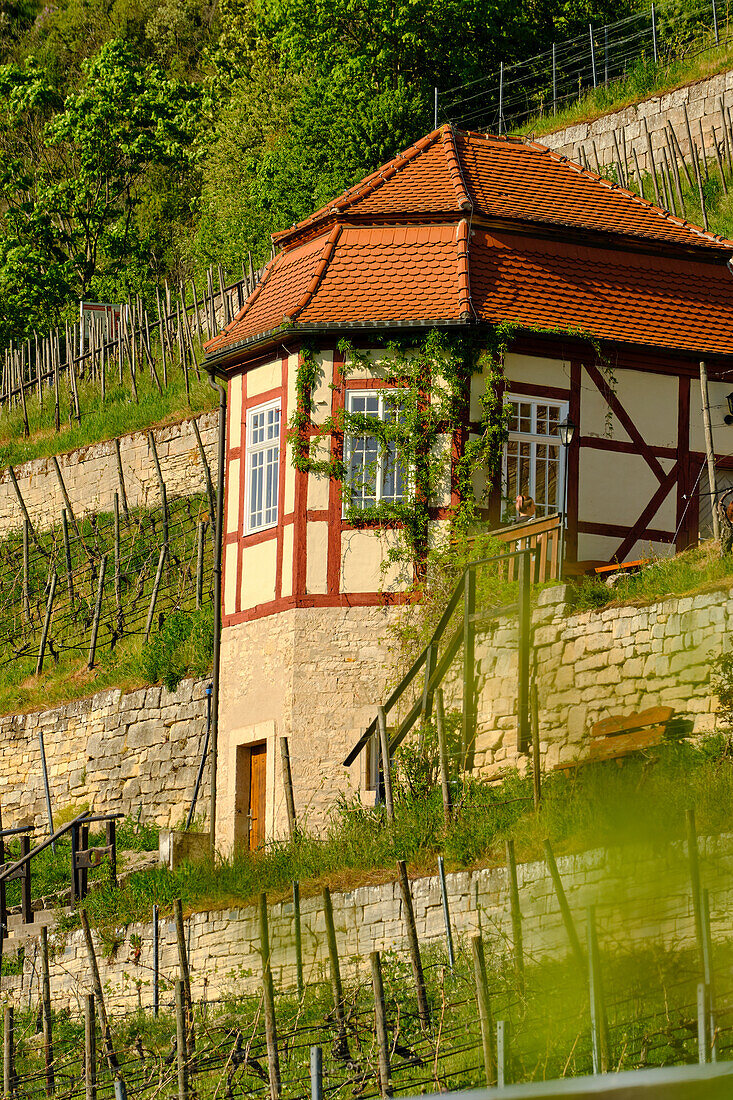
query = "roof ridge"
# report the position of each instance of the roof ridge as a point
(454, 168)
(321, 266)
(364, 187)
(465, 304)
(667, 215)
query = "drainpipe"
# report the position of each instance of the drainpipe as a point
(217, 386)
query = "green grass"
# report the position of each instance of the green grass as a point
(645, 79)
(597, 805)
(118, 415)
(181, 636)
(697, 570)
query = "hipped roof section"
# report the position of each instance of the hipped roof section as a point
(464, 228)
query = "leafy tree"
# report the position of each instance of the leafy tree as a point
(73, 175)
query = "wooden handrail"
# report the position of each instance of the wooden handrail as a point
(442, 666)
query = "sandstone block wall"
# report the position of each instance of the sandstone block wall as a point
(642, 897)
(702, 100)
(91, 478)
(589, 665)
(133, 753)
(314, 675)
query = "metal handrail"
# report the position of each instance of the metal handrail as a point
(84, 816)
(26, 829)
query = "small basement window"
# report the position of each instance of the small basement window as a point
(262, 467)
(375, 473)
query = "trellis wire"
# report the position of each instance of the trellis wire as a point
(549, 81)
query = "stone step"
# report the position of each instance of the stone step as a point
(20, 933)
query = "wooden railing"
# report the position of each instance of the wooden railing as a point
(438, 655)
(543, 535)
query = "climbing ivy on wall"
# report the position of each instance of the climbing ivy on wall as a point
(430, 384)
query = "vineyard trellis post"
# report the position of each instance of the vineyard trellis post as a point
(380, 1021)
(90, 1049)
(414, 945)
(298, 936)
(46, 1011)
(336, 986)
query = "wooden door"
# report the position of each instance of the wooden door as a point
(257, 795)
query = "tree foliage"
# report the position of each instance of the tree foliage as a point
(149, 138)
(73, 175)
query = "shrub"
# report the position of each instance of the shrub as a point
(184, 644)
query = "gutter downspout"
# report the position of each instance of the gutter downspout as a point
(218, 388)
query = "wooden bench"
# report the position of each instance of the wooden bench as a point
(619, 735)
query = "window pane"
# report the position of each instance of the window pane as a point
(263, 466)
(373, 475)
(533, 454)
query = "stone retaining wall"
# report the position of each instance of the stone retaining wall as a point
(703, 103)
(590, 665)
(91, 477)
(642, 896)
(134, 753)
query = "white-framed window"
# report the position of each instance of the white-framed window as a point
(533, 455)
(374, 473)
(262, 467)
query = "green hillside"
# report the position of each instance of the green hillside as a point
(145, 139)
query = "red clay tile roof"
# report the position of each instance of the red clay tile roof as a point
(502, 178)
(562, 250)
(620, 296)
(408, 273)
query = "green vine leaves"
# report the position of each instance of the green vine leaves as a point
(426, 421)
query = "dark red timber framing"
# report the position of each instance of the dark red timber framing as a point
(680, 477)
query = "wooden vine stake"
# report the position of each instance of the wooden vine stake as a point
(90, 1049)
(484, 1008)
(534, 711)
(97, 613)
(9, 1081)
(599, 1020)
(693, 857)
(516, 913)
(109, 1050)
(567, 916)
(273, 1060)
(414, 945)
(342, 1045)
(298, 937)
(380, 1020)
(156, 586)
(288, 786)
(185, 972)
(46, 624)
(181, 1043)
(46, 1010)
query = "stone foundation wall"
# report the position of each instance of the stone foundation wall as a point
(315, 676)
(91, 478)
(703, 103)
(134, 753)
(590, 665)
(642, 897)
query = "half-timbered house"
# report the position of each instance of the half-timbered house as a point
(613, 304)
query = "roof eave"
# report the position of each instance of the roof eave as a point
(224, 357)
